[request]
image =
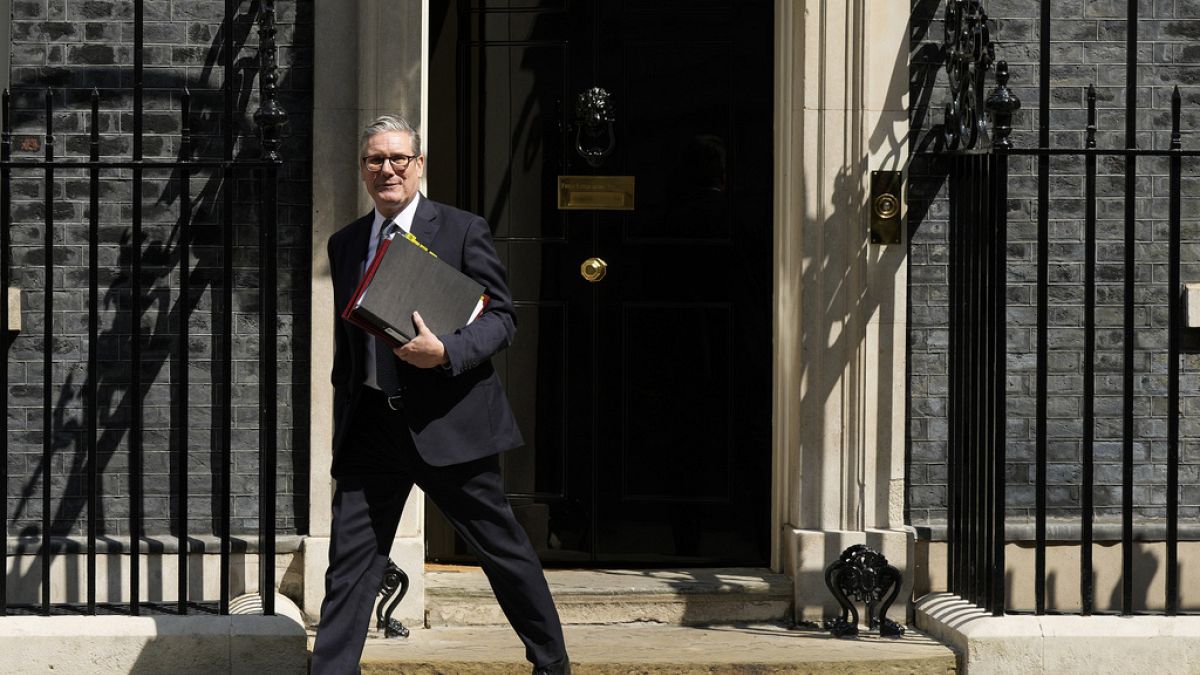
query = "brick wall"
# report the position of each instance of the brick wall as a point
(1088, 46)
(73, 46)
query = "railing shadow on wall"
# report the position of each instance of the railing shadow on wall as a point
(101, 405)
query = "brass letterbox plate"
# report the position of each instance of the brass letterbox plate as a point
(597, 193)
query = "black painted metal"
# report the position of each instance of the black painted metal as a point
(862, 574)
(1087, 478)
(987, 355)
(977, 236)
(392, 590)
(976, 377)
(999, 218)
(977, 413)
(955, 412)
(1043, 285)
(978, 240)
(1174, 288)
(1130, 242)
(968, 54)
(135, 341)
(979, 392)
(91, 400)
(978, 202)
(270, 120)
(225, 386)
(1002, 103)
(47, 361)
(182, 361)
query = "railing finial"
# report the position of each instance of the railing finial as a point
(1091, 123)
(1176, 103)
(270, 117)
(1002, 103)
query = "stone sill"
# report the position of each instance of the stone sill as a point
(1059, 644)
(242, 642)
(1072, 531)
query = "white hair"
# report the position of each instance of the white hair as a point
(386, 123)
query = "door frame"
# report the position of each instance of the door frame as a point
(820, 50)
(443, 97)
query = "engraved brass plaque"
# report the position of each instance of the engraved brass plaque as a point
(597, 193)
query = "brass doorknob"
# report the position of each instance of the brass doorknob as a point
(593, 269)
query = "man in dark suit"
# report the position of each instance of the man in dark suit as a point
(431, 413)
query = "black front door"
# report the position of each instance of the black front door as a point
(644, 396)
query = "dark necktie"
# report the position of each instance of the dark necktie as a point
(385, 360)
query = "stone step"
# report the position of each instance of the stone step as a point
(657, 649)
(461, 596)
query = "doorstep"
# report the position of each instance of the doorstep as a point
(658, 649)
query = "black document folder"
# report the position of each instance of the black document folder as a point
(406, 277)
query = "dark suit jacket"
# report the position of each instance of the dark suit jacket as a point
(458, 413)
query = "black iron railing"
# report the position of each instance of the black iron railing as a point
(978, 410)
(264, 170)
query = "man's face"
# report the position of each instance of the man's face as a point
(391, 188)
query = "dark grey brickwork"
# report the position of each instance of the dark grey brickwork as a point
(73, 46)
(1088, 47)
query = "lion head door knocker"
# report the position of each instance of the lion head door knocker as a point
(594, 134)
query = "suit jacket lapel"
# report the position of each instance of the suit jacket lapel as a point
(425, 225)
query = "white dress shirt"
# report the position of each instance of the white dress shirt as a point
(404, 221)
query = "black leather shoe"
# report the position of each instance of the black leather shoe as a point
(560, 668)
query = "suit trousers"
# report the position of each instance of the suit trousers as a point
(379, 466)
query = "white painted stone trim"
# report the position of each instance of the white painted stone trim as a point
(361, 70)
(1016, 644)
(840, 303)
(241, 643)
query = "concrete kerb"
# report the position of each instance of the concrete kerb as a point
(242, 642)
(1059, 644)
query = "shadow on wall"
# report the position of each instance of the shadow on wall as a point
(159, 312)
(926, 237)
(852, 282)
(925, 66)
(159, 570)
(1063, 577)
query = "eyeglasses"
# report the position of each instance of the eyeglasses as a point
(374, 163)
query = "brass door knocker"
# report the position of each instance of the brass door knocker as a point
(593, 122)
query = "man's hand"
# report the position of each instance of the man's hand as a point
(425, 350)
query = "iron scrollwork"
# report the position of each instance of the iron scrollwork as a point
(968, 53)
(595, 137)
(394, 579)
(864, 575)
